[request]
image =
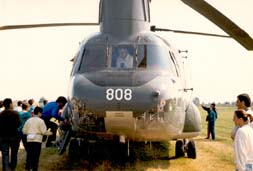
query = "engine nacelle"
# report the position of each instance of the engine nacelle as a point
(192, 119)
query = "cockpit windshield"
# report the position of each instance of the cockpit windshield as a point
(153, 56)
(93, 58)
(126, 57)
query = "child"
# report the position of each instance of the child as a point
(34, 128)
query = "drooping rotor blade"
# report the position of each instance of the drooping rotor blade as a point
(222, 21)
(27, 26)
(153, 28)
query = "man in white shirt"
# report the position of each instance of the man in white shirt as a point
(125, 60)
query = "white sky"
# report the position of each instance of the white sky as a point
(35, 62)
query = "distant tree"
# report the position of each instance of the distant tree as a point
(227, 103)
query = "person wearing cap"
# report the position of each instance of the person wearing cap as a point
(243, 102)
(52, 110)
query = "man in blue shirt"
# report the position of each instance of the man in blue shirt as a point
(211, 117)
(51, 110)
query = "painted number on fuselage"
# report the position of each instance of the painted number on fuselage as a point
(119, 94)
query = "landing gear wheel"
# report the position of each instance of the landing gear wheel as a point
(74, 149)
(179, 149)
(191, 150)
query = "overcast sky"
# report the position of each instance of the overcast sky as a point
(35, 62)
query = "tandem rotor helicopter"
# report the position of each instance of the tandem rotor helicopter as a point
(129, 85)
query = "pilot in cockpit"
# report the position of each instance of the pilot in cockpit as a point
(125, 60)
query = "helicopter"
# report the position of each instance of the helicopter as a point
(148, 101)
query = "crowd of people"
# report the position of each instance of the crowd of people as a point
(241, 133)
(30, 124)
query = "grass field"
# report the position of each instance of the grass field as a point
(211, 155)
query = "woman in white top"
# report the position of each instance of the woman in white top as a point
(243, 144)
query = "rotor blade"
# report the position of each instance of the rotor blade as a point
(222, 21)
(27, 26)
(153, 28)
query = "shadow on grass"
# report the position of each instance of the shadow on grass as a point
(111, 157)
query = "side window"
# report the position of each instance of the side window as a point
(75, 62)
(93, 58)
(142, 56)
(172, 56)
(115, 55)
(156, 57)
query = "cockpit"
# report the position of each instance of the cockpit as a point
(145, 54)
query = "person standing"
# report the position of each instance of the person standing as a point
(24, 116)
(211, 118)
(1, 106)
(243, 142)
(31, 108)
(9, 137)
(52, 110)
(18, 108)
(34, 128)
(243, 102)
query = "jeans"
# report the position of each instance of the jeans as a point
(211, 125)
(13, 144)
(33, 155)
(53, 126)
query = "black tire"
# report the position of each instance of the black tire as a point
(179, 149)
(74, 149)
(191, 150)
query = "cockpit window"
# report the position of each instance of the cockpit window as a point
(174, 62)
(122, 57)
(93, 58)
(155, 57)
(144, 56)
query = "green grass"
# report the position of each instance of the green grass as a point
(211, 155)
